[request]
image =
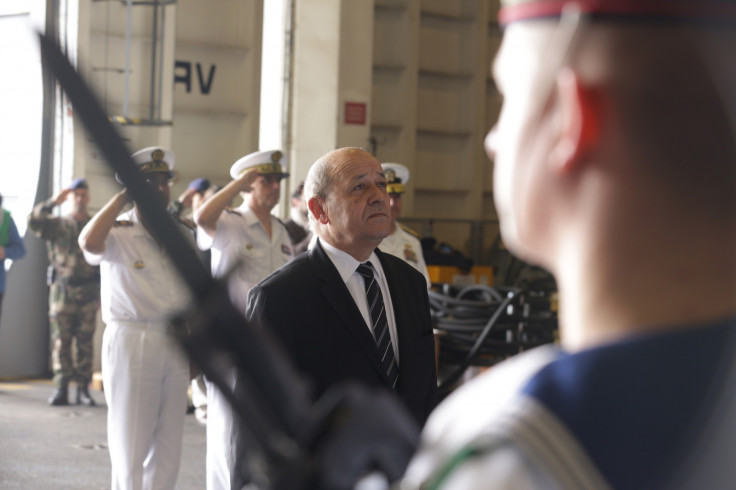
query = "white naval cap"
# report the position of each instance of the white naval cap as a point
(267, 162)
(153, 159)
(396, 176)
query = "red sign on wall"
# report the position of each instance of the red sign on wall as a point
(355, 112)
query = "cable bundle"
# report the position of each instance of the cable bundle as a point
(481, 325)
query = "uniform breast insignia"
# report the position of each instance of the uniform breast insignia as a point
(139, 264)
(410, 254)
(286, 249)
(249, 247)
(123, 222)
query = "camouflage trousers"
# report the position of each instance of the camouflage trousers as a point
(67, 327)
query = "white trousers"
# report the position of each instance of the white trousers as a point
(219, 433)
(145, 378)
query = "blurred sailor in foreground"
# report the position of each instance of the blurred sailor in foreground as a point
(403, 242)
(615, 169)
(145, 374)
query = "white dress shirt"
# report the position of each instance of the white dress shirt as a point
(347, 266)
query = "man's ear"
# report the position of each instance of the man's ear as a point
(580, 118)
(318, 210)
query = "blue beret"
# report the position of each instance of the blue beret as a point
(78, 184)
(201, 184)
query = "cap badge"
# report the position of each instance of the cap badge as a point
(157, 155)
(157, 163)
(139, 264)
(276, 156)
(390, 175)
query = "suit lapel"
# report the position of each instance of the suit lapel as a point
(338, 297)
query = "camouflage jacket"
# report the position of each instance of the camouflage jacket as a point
(72, 279)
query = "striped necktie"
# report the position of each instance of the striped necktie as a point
(380, 323)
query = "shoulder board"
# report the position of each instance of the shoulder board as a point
(186, 222)
(410, 231)
(232, 211)
(123, 222)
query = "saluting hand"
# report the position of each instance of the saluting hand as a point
(186, 197)
(61, 196)
(123, 196)
(246, 180)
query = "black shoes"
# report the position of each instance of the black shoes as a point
(84, 398)
(59, 397)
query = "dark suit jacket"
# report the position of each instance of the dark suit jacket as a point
(307, 306)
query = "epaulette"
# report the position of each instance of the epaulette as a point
(123, 222)
(232, 211)
(186, 222)
(410, 231)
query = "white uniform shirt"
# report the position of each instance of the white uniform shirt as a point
(481, 406)
(347, 266)
(406, 247)
(139, 282)
(240, 239)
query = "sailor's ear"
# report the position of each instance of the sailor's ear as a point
(580, 113)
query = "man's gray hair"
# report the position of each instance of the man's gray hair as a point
(319, 179)
(317, 184)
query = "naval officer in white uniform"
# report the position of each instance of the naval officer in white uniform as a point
(257, 243)
(403, 242)
(144, 372)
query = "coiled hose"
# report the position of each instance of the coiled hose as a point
(481, 325)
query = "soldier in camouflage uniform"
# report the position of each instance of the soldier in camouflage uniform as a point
(74, 295)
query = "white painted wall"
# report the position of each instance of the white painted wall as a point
(332, 68)
(216, 121)
(433, 103)
(316, 81)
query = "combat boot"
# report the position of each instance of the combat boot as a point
(83, 396)
(60, 396)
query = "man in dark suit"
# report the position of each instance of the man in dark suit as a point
(329, 329)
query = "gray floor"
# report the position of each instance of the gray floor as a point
(65, 447)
